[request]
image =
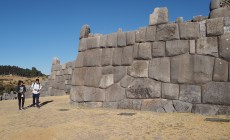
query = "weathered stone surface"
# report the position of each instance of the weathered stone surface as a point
(68, 71)
(151, 33)
(141, 35)
(157, 105)
(127, 80)
(112, 40)
(94, 94)
(202, 28)
(205, 109)
(114, 93)
(55, 61)
(159, 16)
(130, 104)
(92, 58)
(117, 55)
(135, 50)
(158, 49)
(191, 69)
(224, 46)
(179, 20)
(78, 77)
(189, 30)
(159, 69)
(121, 39)
(199, 18)
(131, 37)
(107, 56)
(82, 44)
(143, 89)
(220, 12)
(70, 64)
(177, 47)
(107, 70)
(214, 4)
(113, 105)
(167, 32)
(170, 91)
(127, 56)
(182, 106)
(216, 93)
(207, 46)
(56, 67)
(77, 94)
(229, 71)
(215, 26)
(63, 66)
(92, 43)
(119, 73)
(190, 93)
(93, 104)
(102, 40)
(106, 81)
(138, 69)
(144, 51)
(92, 76)
(192, 46)
(85, 30)
(220, 70)
(59, 73)
(226, 21)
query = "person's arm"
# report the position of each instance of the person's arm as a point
(40, 86)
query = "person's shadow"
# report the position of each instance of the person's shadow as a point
(41, 104)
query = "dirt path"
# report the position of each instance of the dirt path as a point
(74, 123)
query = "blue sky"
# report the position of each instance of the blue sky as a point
(32, 32)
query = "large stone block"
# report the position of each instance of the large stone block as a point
(127, 56)
(207, 46)
(151, 33)
(191, 69)
(157, 105)
(158, 49)
(112, 40)
(82, 44)
(112, 105)
(190, 93)
(131, 37)
(216, 93)
(94, 94)
(170, 91)
(130, 104)
(202, 28)
(135, 50)
(167, 32)
(220, 70)
(138, 69)
(177, 47)
(92, 58)
(144, 51)
(78, 77)
(93, 104)
(182, 107)
(214, 4)
(119, 73)
(114, 93)
(220, 12)
(121, 39)
(127, 80)
(102, 40)
(107, 70)
(77, 94)
(205, 109)
(215, 26)
(92, 77)
(143, 89)
(189, 30)
(224, 46)
(55, 61)
(68, 71)
(85, 30)
(227, 21)
(192, 46)
(141, 35)
(106, 81)
(117, 55)
(159, 69)
(229, 71)
(107, 56)
(159, 16)
(92, 43)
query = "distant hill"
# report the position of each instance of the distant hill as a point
(15, 70)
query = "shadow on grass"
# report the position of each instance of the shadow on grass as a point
(40, 105)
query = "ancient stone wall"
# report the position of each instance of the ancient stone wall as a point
(164, 67)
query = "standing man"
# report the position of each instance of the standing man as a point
(36, 87)
(21, 89)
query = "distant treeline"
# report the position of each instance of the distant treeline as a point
(14, 70)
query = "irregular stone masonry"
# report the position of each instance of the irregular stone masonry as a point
(165, 67)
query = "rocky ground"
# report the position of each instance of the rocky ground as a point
(57, 119)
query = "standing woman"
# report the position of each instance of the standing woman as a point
(21, 89)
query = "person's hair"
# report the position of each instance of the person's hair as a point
(37, 80)
(19, 82)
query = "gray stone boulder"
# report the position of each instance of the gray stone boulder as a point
(117, 55)
(214, 4)
(107, 56)
(55, 61)
(94, 94)
(127, 56)
(207, 46)
(114, 93)
(159, 69)
(78, 76)
(170, 91)
(92, 42)
(177, 47)
(224, 49)
(215, 26)
(216, 93)
(85, 30)
(158, 49)
(167, 32)
(182, 107)
(93, 104)
(159, 16)
(131, 37)
(138, 69)
(179, 20)
(203, 28)
(111, 105)
(189, 30)
(106, 81)
(121, 39)
(151, 33)
(130, 104)
(143, 89)
(92, 76)
(111, 40)
(107, 70)
(127, 80)
(143, 51)
(92, 58)
(77, 94)
(119, 73)
(141, 35)
(190, 93)
(192, 46)
(205, 109)
(220, 12)
(102, 40)
(220, 70)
